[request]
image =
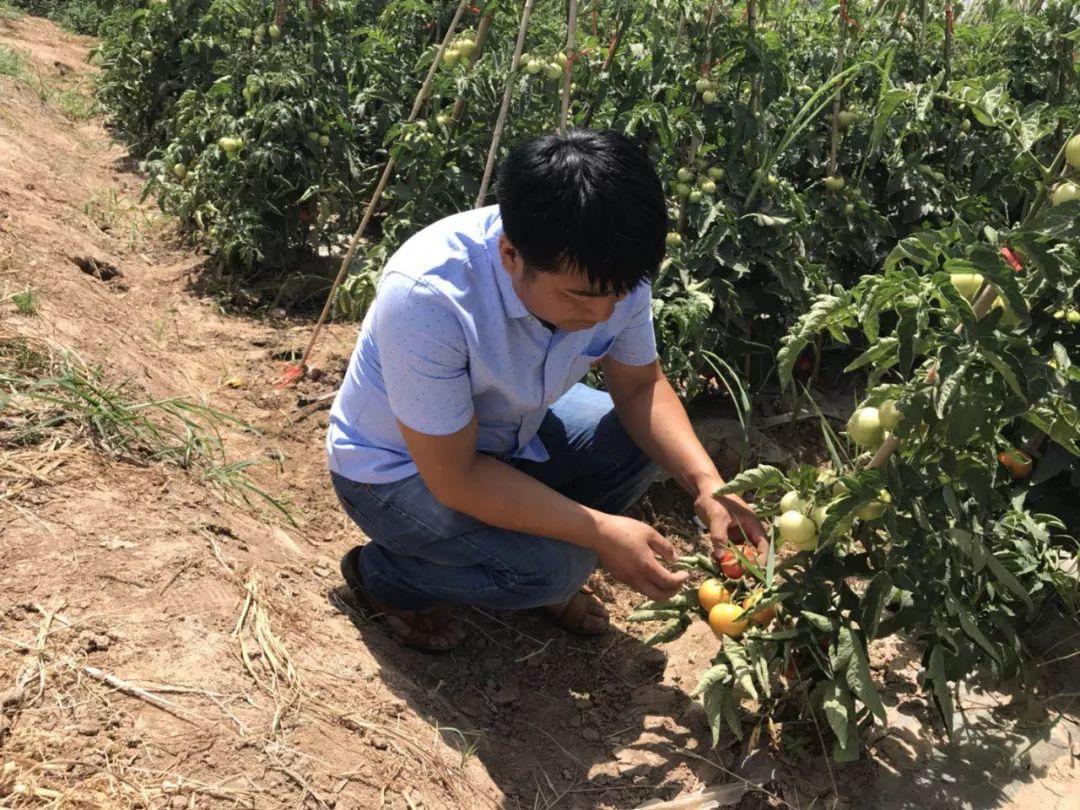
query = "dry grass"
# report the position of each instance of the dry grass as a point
(55, 405)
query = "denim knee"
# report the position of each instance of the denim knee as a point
(552, 571)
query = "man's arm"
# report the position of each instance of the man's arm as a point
(498, 494)
(655, 418)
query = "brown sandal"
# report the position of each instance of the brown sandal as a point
(419, 626)
(573, 614)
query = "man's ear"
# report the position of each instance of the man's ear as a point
(511, 259)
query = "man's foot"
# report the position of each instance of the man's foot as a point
(434, 630)
(583, 613)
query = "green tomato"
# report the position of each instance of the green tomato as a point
(870, 511)
(797, 529)
(701, 85)
(716, 173)
(849, 209)
(553, 72)
(467, 48)
(1072, 151)
(1065, 192)
(324, 141)
(792, 502)
(709, 96)
(533, 67)
(682, 190)
(560, 59)
(146, 54)
(709, 187)
(274, 32)
(685, 175)
(846, 118)
(180, 170)
(1073, 316)
(313, 136)
(694, 196)
(834, 183)
(673, 239)
(450, 56)
(965, 125)
(865, 428)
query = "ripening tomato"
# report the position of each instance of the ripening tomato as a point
(1018, 463)
(724, 620)
(730, 565)
(711, 593)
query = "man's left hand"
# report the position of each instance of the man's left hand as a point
(731, 521)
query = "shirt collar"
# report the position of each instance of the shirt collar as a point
(512, 304)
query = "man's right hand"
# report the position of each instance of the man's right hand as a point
(628, 549)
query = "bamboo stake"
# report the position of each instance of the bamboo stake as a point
(695, 142)
(293, 373)
(948, 40)
(504, 108)
(568, 68)
(601, 92)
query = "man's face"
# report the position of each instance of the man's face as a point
(565, 299)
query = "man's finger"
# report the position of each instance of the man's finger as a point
(664, 578)
(662, 546)
(756, 530)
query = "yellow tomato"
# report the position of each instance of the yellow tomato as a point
(723, 619)
(711, 593)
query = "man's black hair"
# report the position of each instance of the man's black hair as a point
(584, 199)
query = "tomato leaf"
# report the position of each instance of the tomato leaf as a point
(671, 630)
(939, 684)
(712, 676)
(740, 668)
(1061, 424)
(819, 622)
(881, 349)
(840, 712)
(826, 311)
(652, 615)
(873, 602)
(1007, 368)
(967, 624)
(763, 477)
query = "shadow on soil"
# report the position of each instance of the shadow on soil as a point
(552, 717)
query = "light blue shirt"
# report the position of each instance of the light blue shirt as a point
(447, 337)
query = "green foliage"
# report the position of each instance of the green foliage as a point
(927, 145)
(81, 16)
(12, 62)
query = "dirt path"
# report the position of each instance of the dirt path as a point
(257, 689)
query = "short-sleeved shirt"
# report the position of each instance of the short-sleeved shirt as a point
(447, 337)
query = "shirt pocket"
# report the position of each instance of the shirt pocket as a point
(592, 355)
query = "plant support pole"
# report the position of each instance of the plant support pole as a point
(504, 108)
(568, 69)
(295, 372)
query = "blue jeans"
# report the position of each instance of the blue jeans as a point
(422, 553)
